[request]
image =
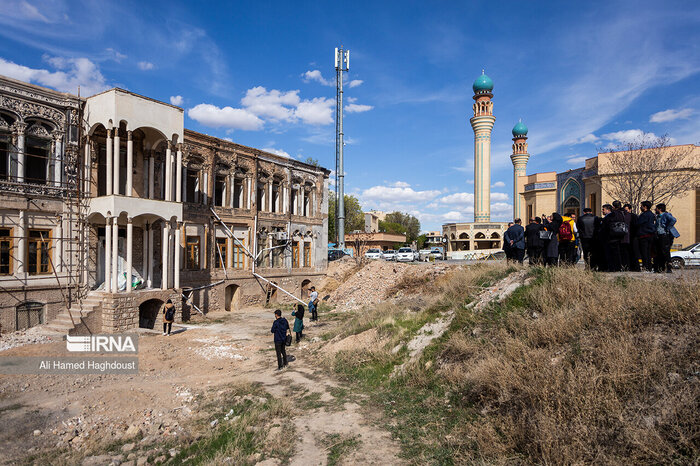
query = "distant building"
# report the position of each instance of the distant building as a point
(372, 219)
(433, 239)
(383, 241)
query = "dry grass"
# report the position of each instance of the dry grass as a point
(579, 369)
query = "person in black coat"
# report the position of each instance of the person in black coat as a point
(551, 248)
(506, 245)
(534, 242)
(280, 327)
(515, 236)
(633, 252)
(586, 226)
(610, 240)
(646, 228)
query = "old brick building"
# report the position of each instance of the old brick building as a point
(131, 197)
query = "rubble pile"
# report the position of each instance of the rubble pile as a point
(379, 279)
(215, 348)
(22, 337)
(337, 272)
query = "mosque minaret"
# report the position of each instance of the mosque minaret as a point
(519, 157)
(482, 124)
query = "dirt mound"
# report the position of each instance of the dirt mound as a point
(377, 280)
(338, 271)
(361, 341)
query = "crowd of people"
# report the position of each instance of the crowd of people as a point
(618, 241)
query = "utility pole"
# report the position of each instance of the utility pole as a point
(342, 63)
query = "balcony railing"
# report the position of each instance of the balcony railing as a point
(33, 188)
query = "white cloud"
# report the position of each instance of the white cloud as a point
(317, 111)
(273, 103)
(671, 115)
(588, 138)
(399, 198)
(357, 108)
(400, 184)
(176, 100)
(499, 196)
(279, 152)
(115, 55)
(315, 75)
(72, 72)
(576, 160)
(227, 117)
(498, 184)
(458, 198)
(628, 135)
(355, 83)
(145, 65)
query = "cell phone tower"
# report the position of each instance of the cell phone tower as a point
(342, 64)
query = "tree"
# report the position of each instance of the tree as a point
(420, 241)
(311, 161)
(648, 169)
(409, 222)
(354, 217)
(391, 227)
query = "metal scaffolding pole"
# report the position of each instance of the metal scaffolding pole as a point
(342, 63)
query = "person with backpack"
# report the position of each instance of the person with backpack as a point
(613, 230)
(280, 328)
(646, 229)
(586, 226)
(313, 303)
(298, 321)
(567, 240)
(665, 234)
(168, 317)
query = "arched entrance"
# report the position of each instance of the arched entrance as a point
(148, 313)
(305, 289)
(232, 296)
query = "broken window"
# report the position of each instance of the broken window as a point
(192, 185)
(38, 250)
(295, 255)
(29, 314)
(220, 190)
(192, 252)
(261, 197)
(4, 156)
(5, 251)
(275, 197)
(238, 193)
(220, 253)
(36, 160)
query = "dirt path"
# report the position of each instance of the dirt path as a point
(178, 376)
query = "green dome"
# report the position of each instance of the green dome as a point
(519, 129)
(482, 84)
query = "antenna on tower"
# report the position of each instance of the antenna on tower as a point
(342, 64)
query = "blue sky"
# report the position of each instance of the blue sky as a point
(581, 75)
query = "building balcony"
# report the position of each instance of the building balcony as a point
(115, 205)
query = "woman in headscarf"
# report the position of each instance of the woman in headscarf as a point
(168, 317)
(298, 321)
(552, 246)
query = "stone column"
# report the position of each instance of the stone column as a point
(149, 263)
(152, 175)
(144, 170)
(21, 243)
(129, 165)
(110, 161)
(117, 157)
(205, 192)
(176, 258)
(20, 151)
(168, 173)
(58, 253)
(58, 160)
(178, 175)
(144, 256)
(129, 252)
(115, 255)
(108, 255)
(165, 259)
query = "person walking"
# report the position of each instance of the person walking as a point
(586, 226)
(298, 321)
(534, 242)
(646, 228)
(552, 246)
(613, 231)
(665, 234)
(516, 240)
(633, 252)
(313, 303)
(168, 317)
(280, 328)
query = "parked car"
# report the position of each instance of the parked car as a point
(390, 255)
(374, 254)
(436, 253)
(686, 257)
(424, 254)
(335, 254)
(405, 255)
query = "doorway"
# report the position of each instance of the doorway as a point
(148, 313)
(232, 297)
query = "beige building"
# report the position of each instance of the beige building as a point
(103, 221)
(589, 186)
(372, 219)
(383, 241)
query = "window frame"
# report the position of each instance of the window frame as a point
(10, 245)
(192, 252)
(35, 268)
(295, 254)
(223, 247)
(307, 254)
